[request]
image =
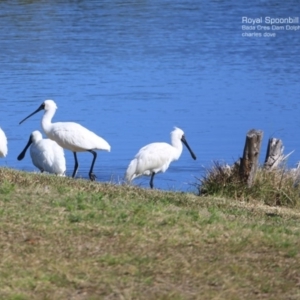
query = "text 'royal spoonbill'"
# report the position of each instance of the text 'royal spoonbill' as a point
(156, 157)
(3, 144)
(71, 136)
(45, 154)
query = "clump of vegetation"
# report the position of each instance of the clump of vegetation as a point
(276, 187)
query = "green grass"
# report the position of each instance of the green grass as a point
(73, 239)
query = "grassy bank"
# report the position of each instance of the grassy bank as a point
(72, 239)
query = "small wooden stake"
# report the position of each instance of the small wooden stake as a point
(249, 161)
(275, 156)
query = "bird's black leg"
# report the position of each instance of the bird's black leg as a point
(91, 174)
(76, 165)
(151, 180)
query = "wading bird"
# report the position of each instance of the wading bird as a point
(71, 136)
(156, 157)
(45, 154)
(3, 144)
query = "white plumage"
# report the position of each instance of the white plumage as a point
(71, 136)
(45, 154)
(156, 157)
(3, 144)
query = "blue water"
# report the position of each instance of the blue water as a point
(132, 70)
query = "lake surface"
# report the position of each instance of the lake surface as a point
(132, 70)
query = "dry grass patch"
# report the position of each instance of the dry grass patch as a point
(277, 187)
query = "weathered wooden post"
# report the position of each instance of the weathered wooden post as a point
(249, 161)
(275, 156)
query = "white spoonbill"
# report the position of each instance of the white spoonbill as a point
(45, 154)
(71, 136)
(156, 157)
(3, 144)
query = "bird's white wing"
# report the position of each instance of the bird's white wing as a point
(154, 157)
(76, 138)
(54, 158)
(3, 145)
(37, 157)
